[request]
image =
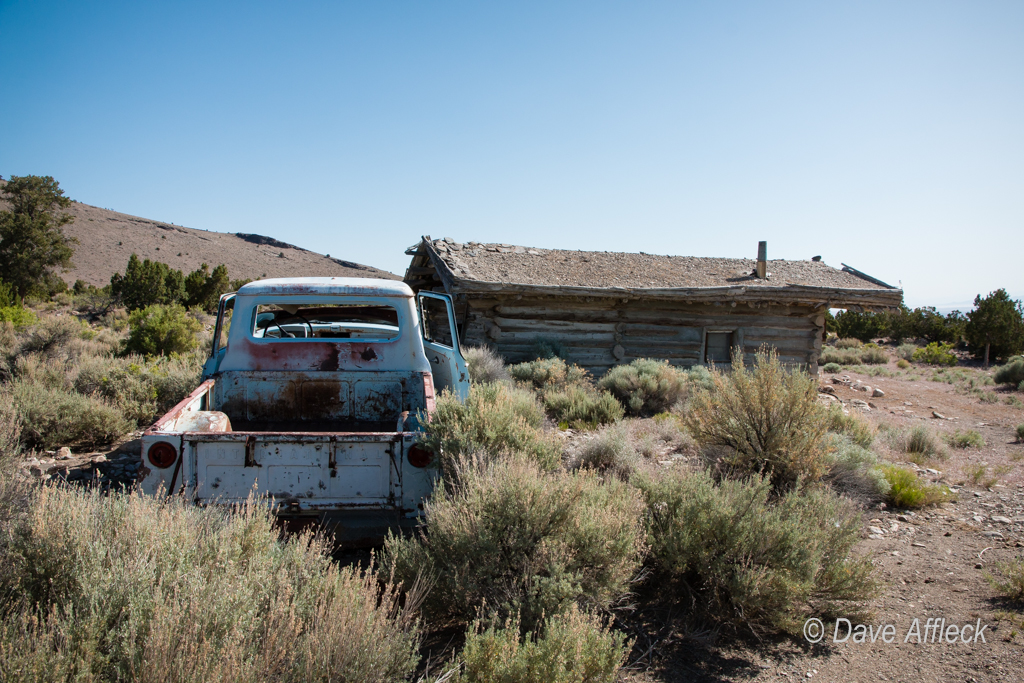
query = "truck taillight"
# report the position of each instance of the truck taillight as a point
(162, 454)
(420, 456)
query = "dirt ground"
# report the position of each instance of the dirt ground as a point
(932, 563)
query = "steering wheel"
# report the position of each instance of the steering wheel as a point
(283, 333)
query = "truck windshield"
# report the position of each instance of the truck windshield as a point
(316, 321)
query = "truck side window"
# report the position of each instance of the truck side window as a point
(436, 326)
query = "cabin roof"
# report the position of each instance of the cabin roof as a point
(477, 266)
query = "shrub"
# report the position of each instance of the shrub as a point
(832, 368)
(849, 343)
(1012, 373)
(662, 435)
(51, 417)
(856, 429)
(751, 562)
(545, 373)
(18, 316)
(645, 386)
(510, 538)
(768, 418)
(494, 418)
(979, 476)
(907, 490)
(906, 351)
(968, 439)
(874, 356)
(53, 335)
(572, 648)
(902, 364)
(10, 426)
(1011, 585)
(141, 389)
(936, 353)
(1020, 433)
(128, 587)
(162, 330)
(854, 469)
(611, 450)
(699, 377)
(920, 444)
(543, 347)
(581, 405)
(840, 356)
(485, 366)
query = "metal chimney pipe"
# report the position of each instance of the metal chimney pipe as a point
(762, 260)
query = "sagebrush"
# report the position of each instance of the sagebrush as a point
(127, 587)
(485, 366)
(580, 405)
(746, 558)
(510, 538)
(572, 647)
(495, 418)
(645, 386)
(767, 418)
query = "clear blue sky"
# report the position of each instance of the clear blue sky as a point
(886, 135)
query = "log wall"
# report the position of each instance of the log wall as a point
(600, 332)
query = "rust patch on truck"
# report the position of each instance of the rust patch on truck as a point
(305, 355)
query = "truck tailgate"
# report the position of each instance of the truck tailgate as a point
(306, 471)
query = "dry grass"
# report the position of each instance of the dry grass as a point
(907, 490)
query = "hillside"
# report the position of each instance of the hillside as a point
(106, 239)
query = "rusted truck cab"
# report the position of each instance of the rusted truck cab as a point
(313, 396)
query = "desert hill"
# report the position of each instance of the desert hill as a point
(106, 239)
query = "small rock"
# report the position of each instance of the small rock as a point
(993, 534)
(948, 533)
(937, 415)
(929, 580)
(979, 518)
(875, 530)
(918, 545)
(931, 471)
(64, 453)
(99, 458)
(878, 393)
(902, 518)
(1001, 519)
(875, 537)
(979, 565)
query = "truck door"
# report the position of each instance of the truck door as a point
(441, 343)
(220, 335)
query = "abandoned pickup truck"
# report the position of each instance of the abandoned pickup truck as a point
(312, 395)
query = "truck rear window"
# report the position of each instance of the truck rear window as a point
(345, 321)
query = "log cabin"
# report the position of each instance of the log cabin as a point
(600, 309)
